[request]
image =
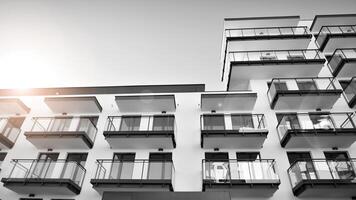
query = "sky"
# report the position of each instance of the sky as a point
(66, 43)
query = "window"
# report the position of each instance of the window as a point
(130, 123)
(321, 121)
(160, 166)
(122, 166)
(248, 156)
(289, 120)
(306, 85)
(217, 166)
(217, 156)
(214, 122)
(305, 166)
(339, 164)
(298, 156)
(2, 157)
(280, 85)
(60, 124)
(163, 123)
(242, 121)
(336, 155)
(87, 123)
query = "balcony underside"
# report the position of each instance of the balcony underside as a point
(140, 139)
(60, 140)
(41, 186)
(304, 99)
(272, 43)
(244, 188)
(325, 189)
(166, 196)
(233, 139)
(319, 138)
(337, 41)
(129, 185)
(5, 143)
(346, 68)
(271, 69)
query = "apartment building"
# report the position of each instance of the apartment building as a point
(282, 127)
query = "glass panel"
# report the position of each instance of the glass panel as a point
(163, 123)
(214, 122)
(321, 121)
(241, 121)
(306, 85)
(130, 123)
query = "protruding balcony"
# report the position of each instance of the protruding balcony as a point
(317, 130)
(343, 63)
(228, 101)
(65, 132)
(13, 106)
(137, 175)
(320, 178)
(233, 130)
(141, 131)
(9, 131)
(247, 65)
(81, 105)
(350, 92)
(242, 178)
(335, 37)
(303, 93)
(38, 177)
(146, 103)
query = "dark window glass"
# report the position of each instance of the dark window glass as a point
(306, 85)
(81, 158)
(336, 155)
(248, 156)
(122, 166)
(160, 157)
(242, 121)
(298, 156)
(289, 119)
(280, 85)
(130, 123)
(216, 156)
(214, 122)
(2, 156)
(163, 123)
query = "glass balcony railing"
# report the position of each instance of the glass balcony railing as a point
(134, 170)
(267, 31)
(315, 122)
(34, 169)
(318, 84)
(10, 129)
(275, 55)
(63, 125)
(240, 171)
(340, 55)
(238, 122)
(141, 123)
(322, 170)
(329, 30)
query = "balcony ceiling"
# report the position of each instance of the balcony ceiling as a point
(146, 103)
(83, 105)
(228, 101)
(338, 42)
(13, 106)
(270, 44)
(329, 20)
(166, 195)
(255, 22)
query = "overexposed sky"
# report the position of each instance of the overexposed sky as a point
(51, 43)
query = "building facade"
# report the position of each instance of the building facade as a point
(282, 127)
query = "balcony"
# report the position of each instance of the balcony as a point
(43, 177)
(13, 106)
(228, 101)
(81, 105)
(146, 103)
(138, 175)
(343, 63)
(335, 37)
(9, 131)
(141, 131)
(242, 178)
(247, 65)
(350, 92)
(65, 132)
(323, 178)
(233, 130)
(303, 93)
(317, 130)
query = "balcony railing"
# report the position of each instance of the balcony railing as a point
(337, 30)
(341, 55)
(64, 125)
(318, 84)
(315, 122)
(333, 171)
(141, 123)
(267, 31)
(9, 130)
(275, 55)
(47, 170)
(241, 171)
(142, 171)
(239, 122)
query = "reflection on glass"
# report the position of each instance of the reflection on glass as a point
(214, 122)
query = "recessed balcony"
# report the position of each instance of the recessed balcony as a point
(43, 177)
(138, 175)
(240, 130)
(247, 65)
(303, 93)
(9, 131)
(320, 178)
(317, 130)
(242, 178)
(141, 131)
(335, 37)
(343, 63)
(64, 132)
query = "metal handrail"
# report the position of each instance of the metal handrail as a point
(342, 52)
(260, 119)
(275, 27)
(334, 26)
